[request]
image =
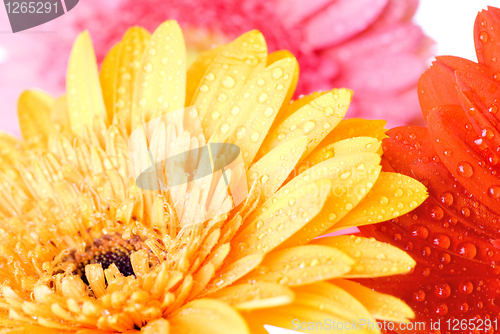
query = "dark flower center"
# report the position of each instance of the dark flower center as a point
(107, 250)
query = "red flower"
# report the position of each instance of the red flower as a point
(454, 236)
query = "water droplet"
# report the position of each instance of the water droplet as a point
(224, 128)
(291, 201)
(210, 76)
(442, 241)
(384, 200)
(442, 290)
(222, 97)
(280, 87)
(419, 296)
(261, 82)
(466, 287)
(255, 137)
(465, 169)
(426, 251)
(345, 175)
(464, 307)
(494, 192)
(419, 231)
(268, 112)
(143, 102)
(467, 250)
(264, 178)
(447, 199)
(262, 97)
(329, 111)
(235, 110)
(148, 67)
(483, 37)
(436, 213)
(308, 127)
(398, 193)
(277, 73)
(240, 133)
(332, 216)
(441, 309)
(204, 88)
(152, 52)
(228, 81)
(445, 258)
(215, 115)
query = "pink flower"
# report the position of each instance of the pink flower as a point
(370, 46)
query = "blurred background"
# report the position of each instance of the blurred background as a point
(445, 21)
(378, 48)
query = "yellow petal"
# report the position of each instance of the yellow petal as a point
(301, 265)
(227, 72)
(356, 127)
(33, 110)
(319, 303)
(272, 169)
(281, 219)
(127, 68)
(381, 306)
(352, 178)
(85, 101)
(158, 326)
(393, 195)
(373, 258)
(314, 120)
(10, 153)
(274, 57)
(107, 78)
(343, 147)
(207, 316)
(257, 105)
(287, 110)
(59, 115)
(234, 271)
(260, 295)
(161, 81)
(198, 69)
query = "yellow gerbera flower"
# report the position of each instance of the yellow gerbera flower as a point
(85, 250)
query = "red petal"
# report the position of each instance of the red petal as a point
(454, 143)
(446, 288)
(409, 151)
(487, 37)
(437, 86)
(482, 93)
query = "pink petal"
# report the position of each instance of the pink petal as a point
(405, 37)
(397, 109)
(292, 12)
(397, 11)
(341, 20)
(381, 74)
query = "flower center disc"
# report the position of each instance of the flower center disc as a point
(105, 251)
